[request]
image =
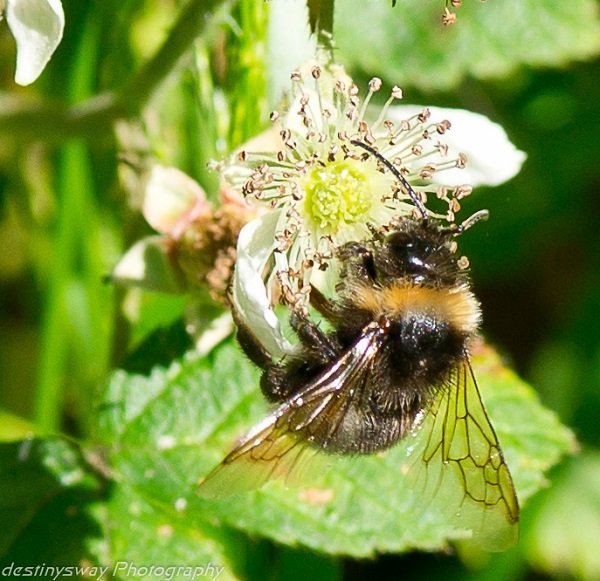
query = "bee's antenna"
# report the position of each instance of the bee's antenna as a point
(473, 219)
(409, 189)
(457, 229)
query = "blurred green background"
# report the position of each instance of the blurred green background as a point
(69, 206)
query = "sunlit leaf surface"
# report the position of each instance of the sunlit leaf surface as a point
(419, 51)
(47, 500)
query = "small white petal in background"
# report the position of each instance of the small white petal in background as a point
(256, 244)
(147, 264)
(37, 26)
(207, 329)
(172, 201)
(492, 158)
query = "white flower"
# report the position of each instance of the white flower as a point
(195, 251)
(37, 26)
(323, 189)
(257, 243)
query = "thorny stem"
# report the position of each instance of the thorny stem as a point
(320, 17)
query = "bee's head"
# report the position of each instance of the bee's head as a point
(419, 250)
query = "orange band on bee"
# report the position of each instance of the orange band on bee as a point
(456, 305)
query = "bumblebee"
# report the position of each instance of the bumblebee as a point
(395, 362)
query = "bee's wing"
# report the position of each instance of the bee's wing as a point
(457, 468)
(279, 446)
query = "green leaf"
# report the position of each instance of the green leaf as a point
(410, 46)
(166, 430)
(14, 427)
(46, 504)
(553, 543)
(156, 464)
(152, 541)
(55, 517)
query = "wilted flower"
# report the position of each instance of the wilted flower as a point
(323, 189)
(196, 245)
(37, 26)
(194, 252)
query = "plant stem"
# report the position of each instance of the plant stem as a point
(96, 115)
(65, 333)
(247, 74)
(320, 17)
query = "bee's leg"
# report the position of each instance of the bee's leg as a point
(323, 305)
(273, 382)
(324, 348)
(315, 352)
(249, 342)
(358, 262)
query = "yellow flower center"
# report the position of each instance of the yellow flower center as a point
(336, 195)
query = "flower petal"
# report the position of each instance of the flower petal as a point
(492, 158)
(206, 327)
(147, 265)
(256, 245)
(172, 200)
(37, 26)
